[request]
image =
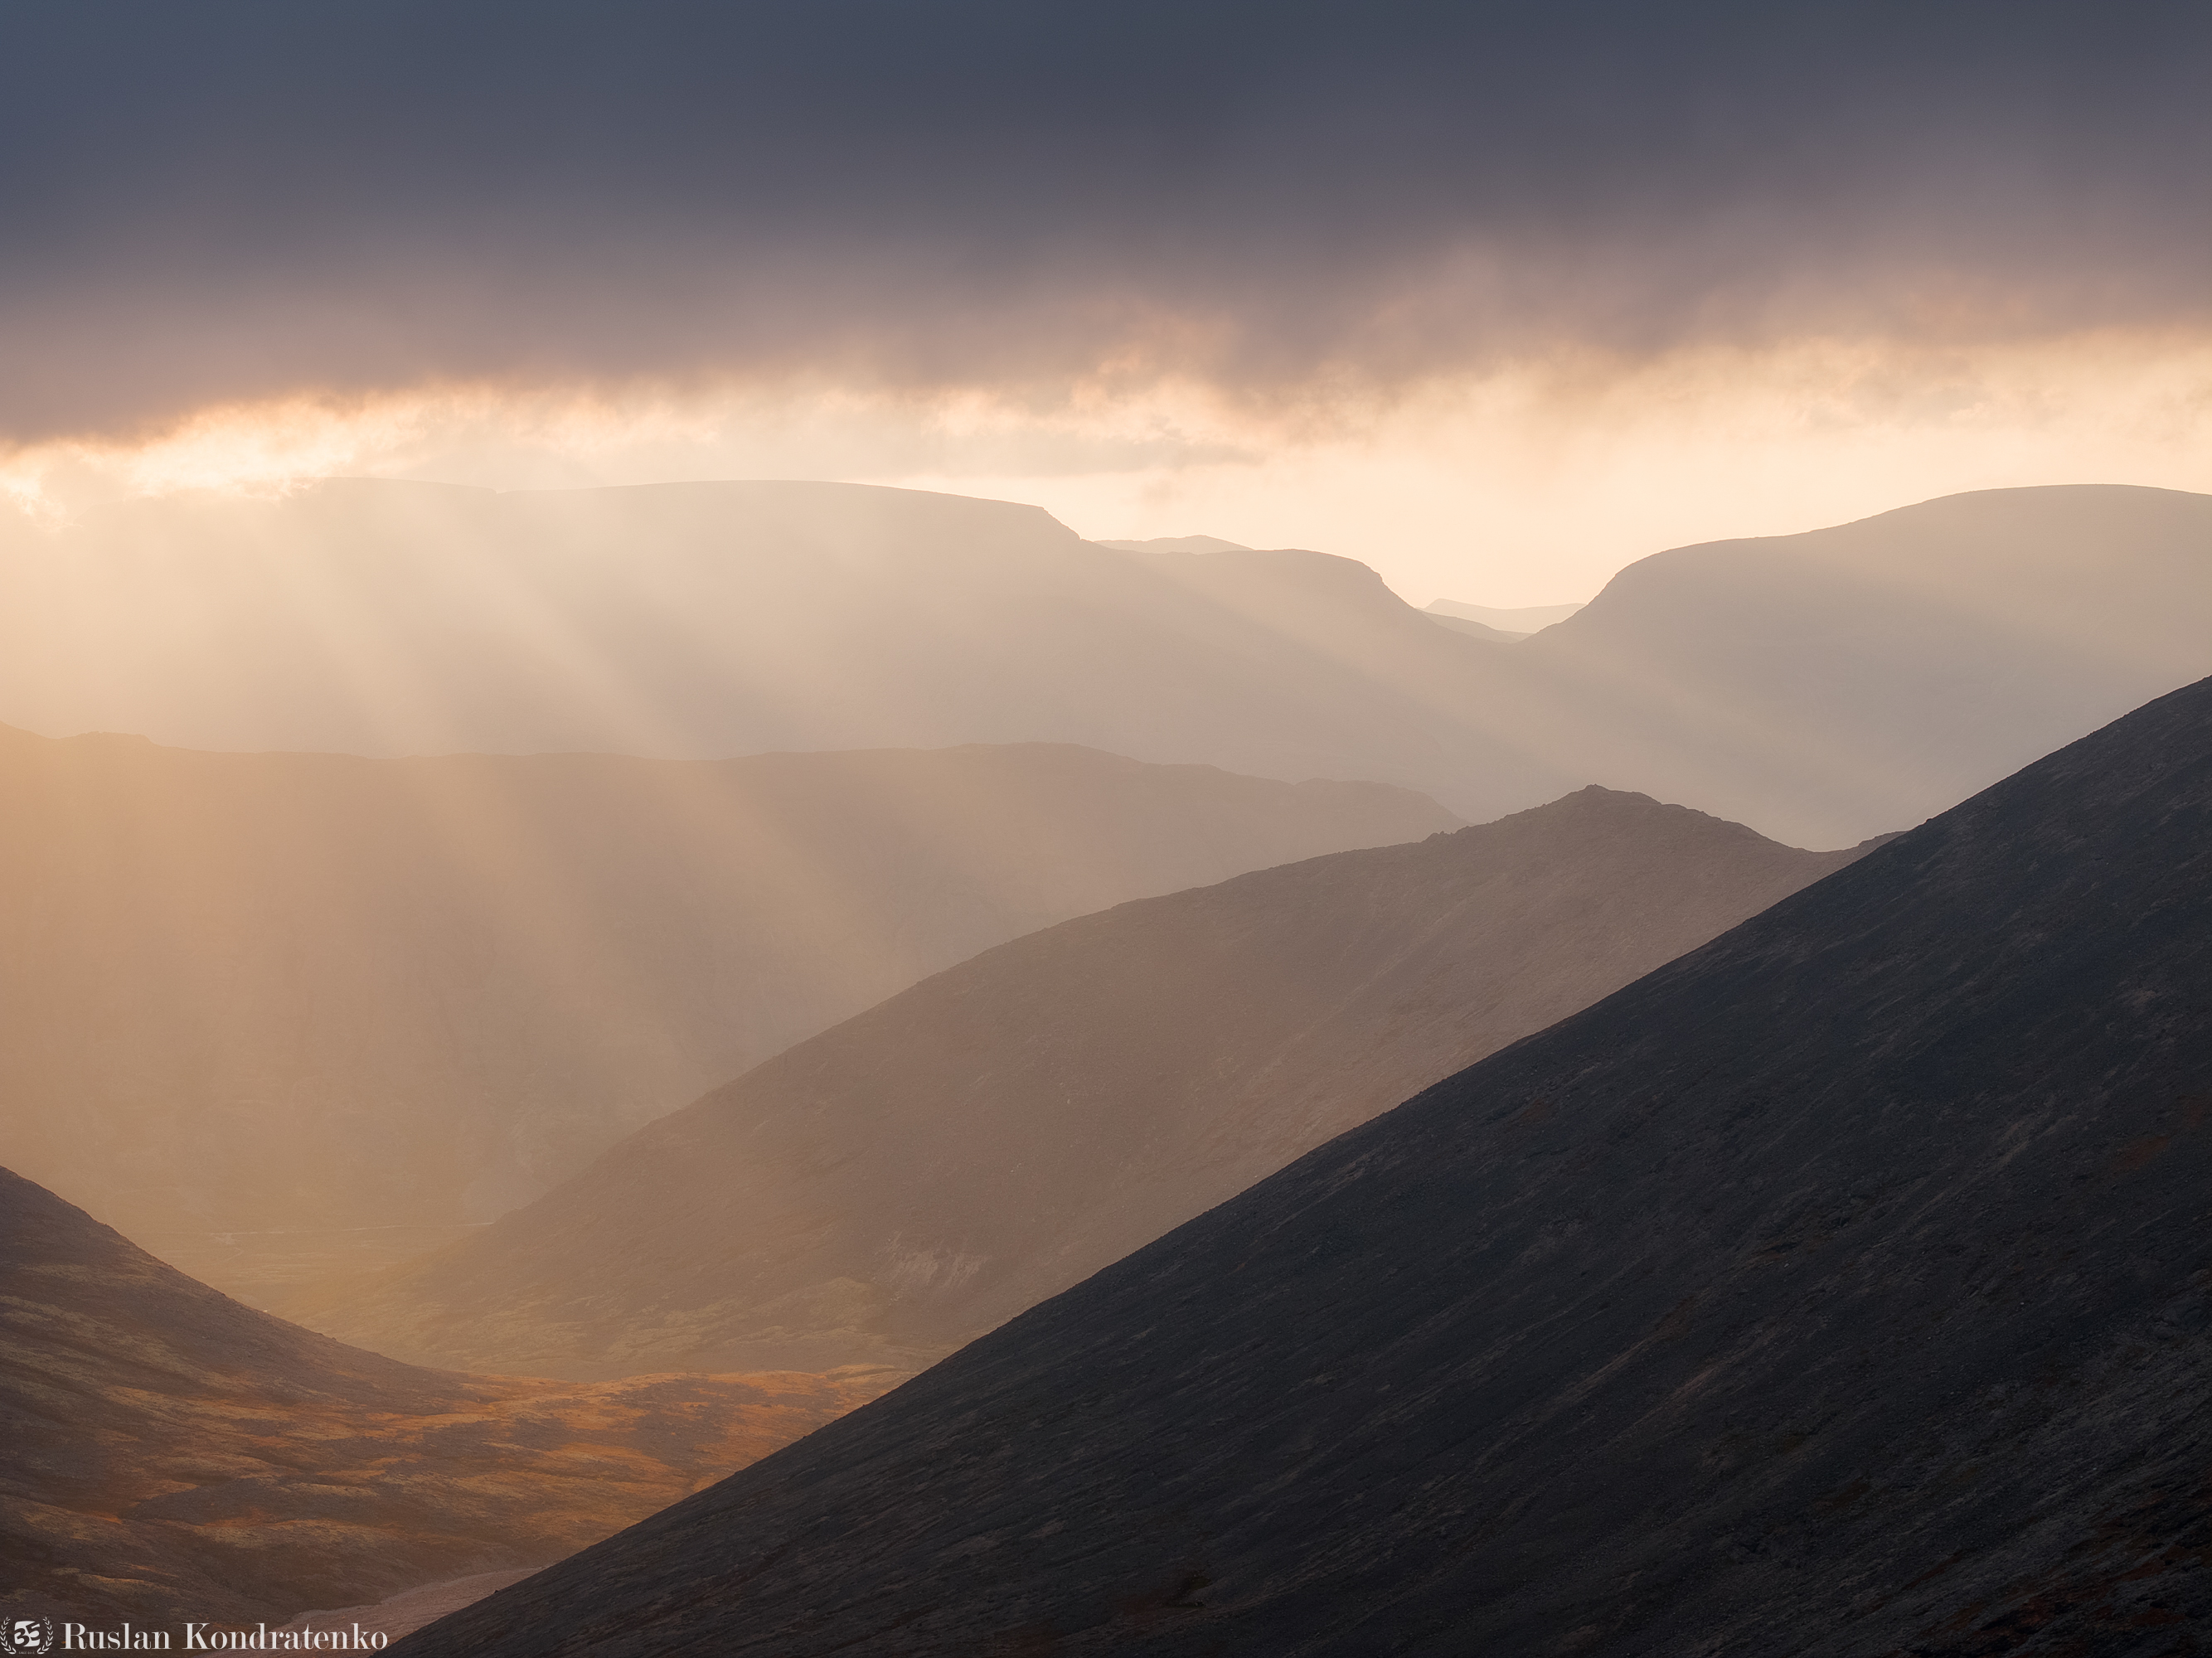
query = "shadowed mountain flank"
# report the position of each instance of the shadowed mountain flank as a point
(278, 1014)
(928, 1170)
(1840, 1288)
(1820, 687)
(173, 1455)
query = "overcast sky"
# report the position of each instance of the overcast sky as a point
(1074, 243)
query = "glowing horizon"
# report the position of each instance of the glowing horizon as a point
(1524, 487)
(1496, 300)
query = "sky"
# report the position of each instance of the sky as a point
(1496, 297)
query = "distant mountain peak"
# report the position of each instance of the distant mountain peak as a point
(1523, 619)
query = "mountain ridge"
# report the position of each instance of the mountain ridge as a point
(1930, 649)
(920, 1172)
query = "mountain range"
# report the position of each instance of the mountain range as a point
(272, 1015)
(920, 1172)
(1820, 687)
(1840, 1288)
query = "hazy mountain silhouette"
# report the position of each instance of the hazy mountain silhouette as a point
(1908, 658)
(1820, 687)
(173, 1455)
(1460, 625)
(1177, 544)
(273, 1014)
(1841, 1287)
(712, 619)
(1518, 622)
(926, 1170)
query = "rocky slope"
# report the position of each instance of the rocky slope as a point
(927, 1170)
(1841, 1288)
(173, 1455)
(275, 1014)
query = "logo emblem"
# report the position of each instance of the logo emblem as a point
(27, 1637)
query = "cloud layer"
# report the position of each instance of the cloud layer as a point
(233, 200)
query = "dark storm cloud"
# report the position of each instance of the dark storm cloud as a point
(216, 199)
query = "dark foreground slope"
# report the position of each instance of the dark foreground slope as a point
(170, 1455)
(273, 1014)
(1840, 1288)
(926, 1170)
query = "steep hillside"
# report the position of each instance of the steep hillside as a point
(173, 1455)
(928, 1170)
(1841, 1288)
(1820, 687)
(271, 1014)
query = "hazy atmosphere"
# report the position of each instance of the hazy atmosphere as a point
(1298, 831)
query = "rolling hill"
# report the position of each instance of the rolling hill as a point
(927, 1170)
